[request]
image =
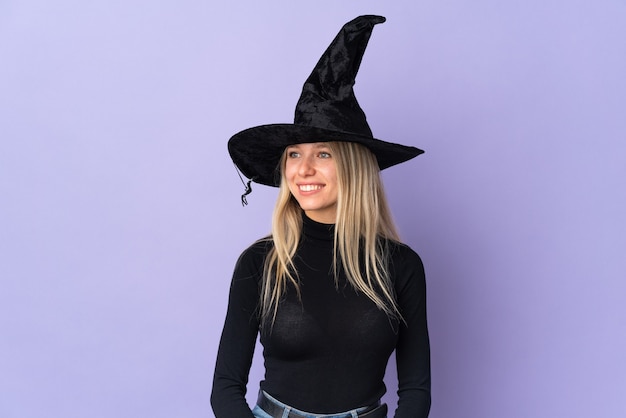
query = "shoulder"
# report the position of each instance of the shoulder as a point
(259, 248)
(405, 265)
(252, 258)
(402, 255)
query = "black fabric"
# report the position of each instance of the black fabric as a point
(327, 99)
(328, 352)
(326, 111)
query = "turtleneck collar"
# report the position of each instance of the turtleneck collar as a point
(317, 230)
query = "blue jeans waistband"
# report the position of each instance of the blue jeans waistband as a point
(269, 407)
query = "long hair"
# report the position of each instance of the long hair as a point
(363, 227)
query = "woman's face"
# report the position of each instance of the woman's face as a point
(311, 175)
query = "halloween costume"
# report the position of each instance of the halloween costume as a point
(327, 353)
(326, 111)
(327, 350)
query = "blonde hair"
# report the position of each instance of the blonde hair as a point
(363, 226)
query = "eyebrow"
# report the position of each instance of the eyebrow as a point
(316, 144)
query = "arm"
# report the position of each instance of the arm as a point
(238, 340)
(413, 348)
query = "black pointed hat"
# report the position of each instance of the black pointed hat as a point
(327, 111)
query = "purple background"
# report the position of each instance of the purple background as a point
(120, 219)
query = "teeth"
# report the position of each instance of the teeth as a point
(309, 187)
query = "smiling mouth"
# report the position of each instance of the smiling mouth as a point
(309, 187)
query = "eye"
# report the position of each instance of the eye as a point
(324, 154)
(293, 154)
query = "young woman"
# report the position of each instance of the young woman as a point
(332, 291)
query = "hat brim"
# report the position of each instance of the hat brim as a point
(257, 151)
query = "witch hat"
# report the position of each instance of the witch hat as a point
(327, 111)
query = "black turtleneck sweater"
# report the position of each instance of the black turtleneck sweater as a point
(328, 351)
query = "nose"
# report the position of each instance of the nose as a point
(306, 167)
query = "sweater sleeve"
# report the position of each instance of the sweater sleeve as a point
(238, 339)
(413, 348)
